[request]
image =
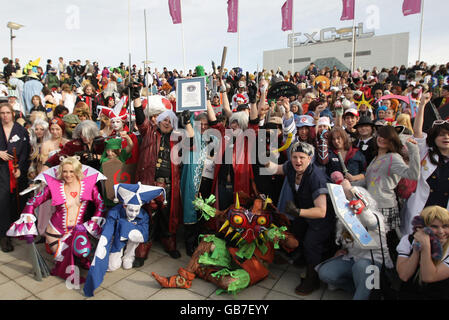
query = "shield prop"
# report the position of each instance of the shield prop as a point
(326, 83)
(282, 89)
(349, 218)
(116, 172)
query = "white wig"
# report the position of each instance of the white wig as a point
(171, 115)
(242, 118)
(87, 128)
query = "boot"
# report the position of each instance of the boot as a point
(191, 238)
(309, 284)
(182, 280)
(6, 245)
(141, 254)
(129, 255)
(169, 244)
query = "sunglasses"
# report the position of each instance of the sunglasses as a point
(439, 122)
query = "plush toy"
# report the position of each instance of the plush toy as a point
(435, 245)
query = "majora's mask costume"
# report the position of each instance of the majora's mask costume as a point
(236, 256)
(246, 226)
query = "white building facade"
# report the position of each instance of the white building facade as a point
(332, 46)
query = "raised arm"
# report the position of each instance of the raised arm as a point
(226, 106)
(419, 119)
(210, 112)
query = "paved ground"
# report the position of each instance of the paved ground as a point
(17, 282)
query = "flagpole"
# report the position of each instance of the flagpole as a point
(145, 71)
(420, 34)
(129, 70)
(353, 42)
(183, 46)
(238, 33)
(293, 34)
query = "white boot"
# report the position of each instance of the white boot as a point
(115, 260)
(129, 255)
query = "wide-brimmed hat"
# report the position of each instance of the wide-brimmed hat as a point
(304, 120)
(365, 120)
(18, 74)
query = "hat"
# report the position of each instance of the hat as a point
(242, 107)
(399, 128)
(353, 111)
(358, 93)
(33, 75)
(346, 104)
(117, 112)
(113, 144)
(18, 74)
(71, 118)
(240, 98)
(137, 194)
(324, 121)
(364, 120)
(156, 105)
(304, 120)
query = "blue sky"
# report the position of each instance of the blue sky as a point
(98, 29)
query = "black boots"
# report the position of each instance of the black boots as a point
(6, 245)
(310, 283)
(191, 238)
(138, 262)
(169, 244)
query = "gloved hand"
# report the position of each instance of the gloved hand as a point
(357, 206)
(252, 92)
(135, 90)
(185, 117)
(291, 209)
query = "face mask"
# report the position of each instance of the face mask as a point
(132, 211)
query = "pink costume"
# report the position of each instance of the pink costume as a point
(72, 240)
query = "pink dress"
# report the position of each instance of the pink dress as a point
(72, 240)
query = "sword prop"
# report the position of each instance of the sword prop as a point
(342, 162)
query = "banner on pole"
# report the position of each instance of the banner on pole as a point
(348, 10)
(287, 15)
(175, 10)
(233, 12)
(411, 7)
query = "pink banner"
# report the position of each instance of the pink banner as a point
(233, 13)
(175, 10)
(411, 7)
(348, 10)
(287, 15)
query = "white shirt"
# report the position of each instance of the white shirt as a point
(405, 249)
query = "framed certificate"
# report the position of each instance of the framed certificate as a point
(191, 94)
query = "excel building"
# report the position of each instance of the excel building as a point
(331, 46)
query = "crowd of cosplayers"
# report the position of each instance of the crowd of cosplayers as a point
(88, 170)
